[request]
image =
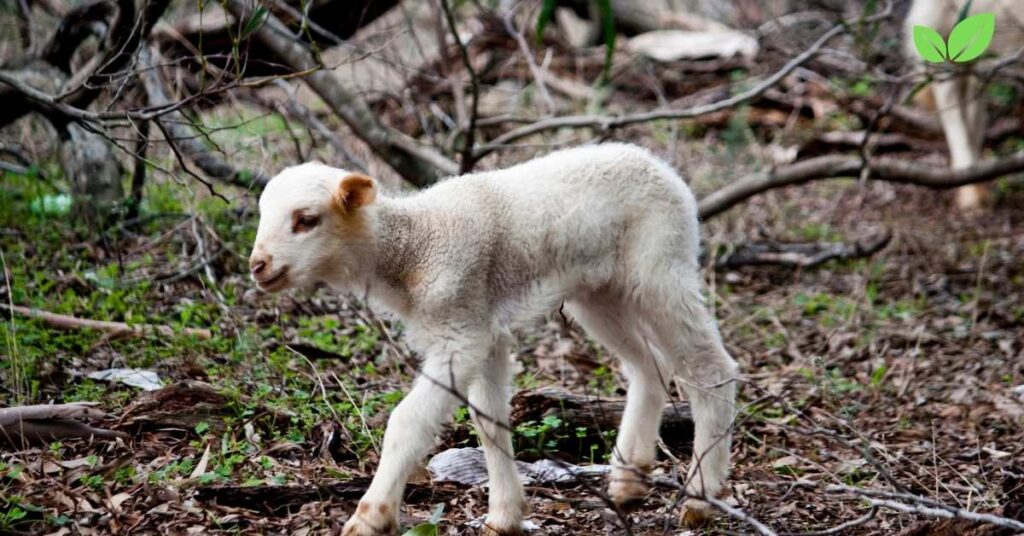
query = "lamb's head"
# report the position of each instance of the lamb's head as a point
(315, 227)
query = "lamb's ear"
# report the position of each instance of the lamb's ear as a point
(354, 191)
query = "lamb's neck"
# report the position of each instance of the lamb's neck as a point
(396, 255)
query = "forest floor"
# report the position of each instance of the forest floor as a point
(903, 368)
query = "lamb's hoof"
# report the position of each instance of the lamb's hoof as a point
(510, 524)
(627, 487)
(508, 530)
(696, 514)
(371, 520)
(972, 200)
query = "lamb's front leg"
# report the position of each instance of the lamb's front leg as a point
(488, 401)
(410, 434)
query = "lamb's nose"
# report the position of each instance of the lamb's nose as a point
(256, 266)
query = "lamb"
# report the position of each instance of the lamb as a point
(959, 99)
(608, 230)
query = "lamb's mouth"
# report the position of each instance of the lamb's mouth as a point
(274, 282)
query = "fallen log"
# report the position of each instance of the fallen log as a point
(285, 500)
(799, 254)
(586, 425)
(186, 404)
(23, 426)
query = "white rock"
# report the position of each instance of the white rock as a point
(673, 45)
(579, 33)
(467, 466)
(147, 380)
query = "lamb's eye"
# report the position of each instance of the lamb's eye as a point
(304, 223)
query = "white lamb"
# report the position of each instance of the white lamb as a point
(609, 230)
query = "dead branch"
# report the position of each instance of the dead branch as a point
(834, 166)
(75, 27)
(799, 254)
(305, 116)
(60, 321)
(21, 426)
(841, 528)
(126, 35)
(609, 122)
(737, 513)
(925, 506)
(524, 49)
(417, 164)
(280, 500)
(38, 100)
(467, 155)
(176, 130)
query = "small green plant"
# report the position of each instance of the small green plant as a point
(603, 380)
(11, 516)
(539, 436)
(878, 376)
(93, 481)
(430, 528)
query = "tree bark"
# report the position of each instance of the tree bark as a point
(94, 173)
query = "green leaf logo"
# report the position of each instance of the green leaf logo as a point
(971, 37)
(929, 44)
(968, 40)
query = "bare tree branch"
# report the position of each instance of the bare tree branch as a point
(468, 157)
(925, 506)
(79, 23)
(127, 33)
(609, 122)
(417, 164)
(22, 426)
(296, 110)
(177, 132)
(882, 169)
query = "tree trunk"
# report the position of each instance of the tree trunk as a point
(93, 172)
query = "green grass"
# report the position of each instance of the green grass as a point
(59, 264)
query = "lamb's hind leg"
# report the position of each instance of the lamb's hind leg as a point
(610, 322)
(488, 400)
(963, 121)
(684, 328)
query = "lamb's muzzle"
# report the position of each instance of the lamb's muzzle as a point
(608, 230)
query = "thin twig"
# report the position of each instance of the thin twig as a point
(524, 48)
(609, 122)
(116, 328)
(469, 158)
